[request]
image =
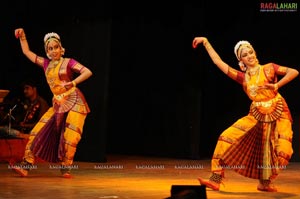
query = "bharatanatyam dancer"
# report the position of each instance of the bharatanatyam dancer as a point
(259, 144)
(55, 137)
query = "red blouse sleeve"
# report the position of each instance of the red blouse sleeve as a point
(236, 75)
(280, 70)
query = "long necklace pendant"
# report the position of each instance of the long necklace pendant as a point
(253, 90)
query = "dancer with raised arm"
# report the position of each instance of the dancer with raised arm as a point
(259, 144)
(55, 137)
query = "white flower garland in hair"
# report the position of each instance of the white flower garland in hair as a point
(51, 35)
(238, 45)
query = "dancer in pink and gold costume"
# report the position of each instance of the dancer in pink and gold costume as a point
(55, 137)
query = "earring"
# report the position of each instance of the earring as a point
(49, 56)
(242, 66)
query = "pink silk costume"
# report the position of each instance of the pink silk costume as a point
(258, 145)
(56, 135)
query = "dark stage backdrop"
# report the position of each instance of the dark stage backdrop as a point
(170, 100)
(151, 93)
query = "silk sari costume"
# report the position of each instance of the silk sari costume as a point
(56, 135)
(259, 144)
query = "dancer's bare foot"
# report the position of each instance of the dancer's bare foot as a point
(210, 184)
(267, 188)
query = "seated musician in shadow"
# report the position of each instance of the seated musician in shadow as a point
(33, 106)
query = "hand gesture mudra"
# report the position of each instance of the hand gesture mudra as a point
(198, 40)
(19, 32)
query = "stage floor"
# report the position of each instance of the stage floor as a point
(136, 177)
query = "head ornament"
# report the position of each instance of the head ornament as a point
(49, 37)
(238, 48)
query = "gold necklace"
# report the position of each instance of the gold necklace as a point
(55, 63)
(254, 71)
(253, 87)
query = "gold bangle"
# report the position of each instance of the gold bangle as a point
(207, 45)
(74, 83)
(23, 37)
(205, 42)
(275, 87)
